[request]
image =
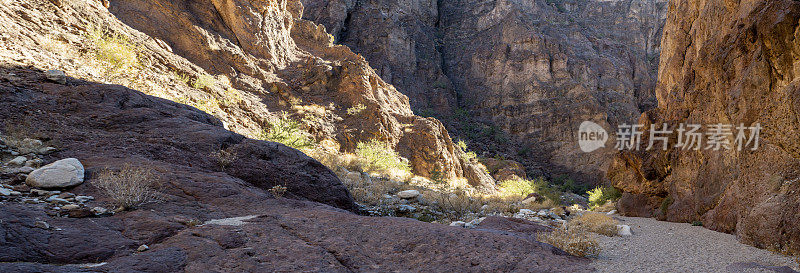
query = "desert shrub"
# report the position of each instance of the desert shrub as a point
(467, 155)
(665, 204)
(115, 50)
(224, 157)
(574, 241)
(366, 190)
(380, 157)
(129, 187)
(697, 223)
(456, 203)
(286, 131)
(601, 195)
(356, 109)
(202, 81)
(278, 191)
(595, 222)
(524, 187)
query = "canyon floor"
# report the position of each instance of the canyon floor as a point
(658, 246)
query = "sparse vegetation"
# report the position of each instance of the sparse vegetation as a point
(595, 222)
(203, 81)
(356, 109)
(599, 196)
(224, 157)
(574, 241)
(287, 131)
(524, 187)
(697, 223)
(278, 191)
(467, 154)
(129, 187)
(115, 50)
(380, 157)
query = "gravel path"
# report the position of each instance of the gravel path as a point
(679, 247)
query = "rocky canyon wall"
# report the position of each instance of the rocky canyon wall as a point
(289, 64)
(534, 69)
(729, 62)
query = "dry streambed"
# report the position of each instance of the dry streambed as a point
(657, 246)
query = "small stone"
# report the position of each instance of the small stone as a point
(99, 210)
(14, 153)
(458, 224)
(63, 173)
(70, 206)
(624, 230)
(56, 200)
(83, 199)
(30, 201)
(406, 209)
(23, 188)
(25, 170)
(143, 248)
(612, 212)
(38, 192)
(542, 213)
(18, 161)
(408, 194)
(41, 224)
(525, 211)
(57, 76)
(33, 163)
(47, 150)
(6, 192)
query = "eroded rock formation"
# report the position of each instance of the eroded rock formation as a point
(726, 62)
(536, 69)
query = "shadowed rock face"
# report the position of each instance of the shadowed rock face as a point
(311, 230)
(732, 63)
(536, 69)
(290, 64)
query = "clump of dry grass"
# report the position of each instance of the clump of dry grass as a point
(456, 203)
(278, 190)
(574, 241)
(129, 187)
(595, 222)
(224, 157)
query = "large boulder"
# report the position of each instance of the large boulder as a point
(60, 174)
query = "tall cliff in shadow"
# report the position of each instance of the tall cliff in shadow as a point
(532, 69)
(736, 63)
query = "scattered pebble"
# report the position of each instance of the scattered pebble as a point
(143, 248)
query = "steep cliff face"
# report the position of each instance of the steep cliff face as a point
(734, 63)
(288, 64)
(535, 69)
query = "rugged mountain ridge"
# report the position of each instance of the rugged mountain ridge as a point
(534, 69)
(732, 63)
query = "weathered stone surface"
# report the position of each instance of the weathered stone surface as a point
(726, 62)
(60, 174)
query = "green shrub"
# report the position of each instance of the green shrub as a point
(203, 81)
(287, 132)
(697, 224)
(601, 195)
(666, 203)
(468, 155)
(523, 187)
(380, 157)
(115, 50)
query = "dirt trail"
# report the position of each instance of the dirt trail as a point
(658, 246)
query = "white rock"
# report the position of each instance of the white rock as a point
(4, 191)
(47, 150)
(408, 194)
(63, 173)
(542, 213)
(613, 211)
(458, 224)
(624, 230)
(56, 76)
(54, 199)
(99, 210)
(82, 199)
(70, 206)
(18, 161)
(143, 248)
(526, 211)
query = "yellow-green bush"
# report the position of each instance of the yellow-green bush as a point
(524, 187)
(595, 222)
(116, 50)
(574, 241)
(287, 131)
(601, 195)
(380, 157)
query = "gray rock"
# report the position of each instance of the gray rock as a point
(143, 248)
(63, 173)
(47, 150)
(4, 191)
(408, 194)
(18, 161)
(624, 230)
(70, 206)
(57, 76)
(41, 224)
(406, 209)
(38, 192)
(99, 210)
(25, 170)
(458, 224)
(56, 200)
(83, 199)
